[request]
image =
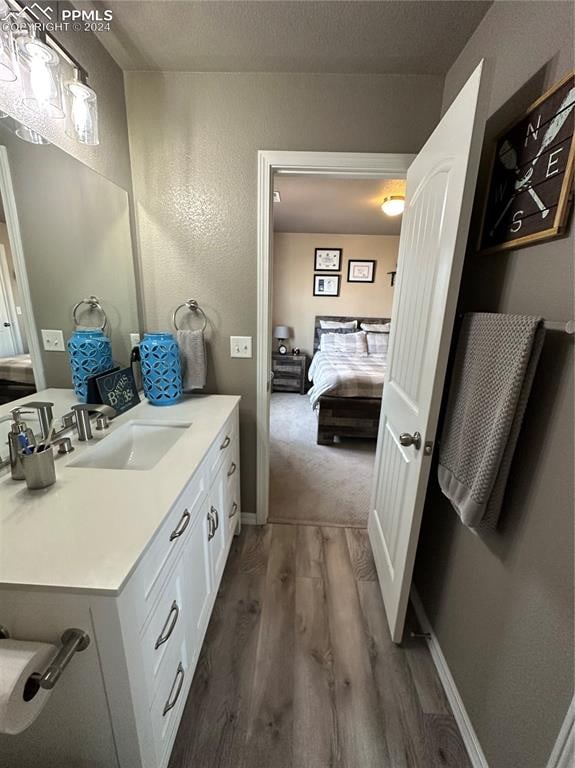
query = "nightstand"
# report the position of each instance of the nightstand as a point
(290, 373)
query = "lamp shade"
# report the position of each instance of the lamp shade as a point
(281, 332)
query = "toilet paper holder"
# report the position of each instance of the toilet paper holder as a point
(73, 641)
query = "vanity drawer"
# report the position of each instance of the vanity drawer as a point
(165, 628)
(155, 567)
(173, 688)
(225, 446)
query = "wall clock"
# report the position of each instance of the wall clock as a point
(530, 188)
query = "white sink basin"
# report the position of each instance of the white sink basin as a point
(135, 445)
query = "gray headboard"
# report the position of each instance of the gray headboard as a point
(339, 319)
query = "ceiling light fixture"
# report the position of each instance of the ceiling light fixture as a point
(393, 205)
(81, 111)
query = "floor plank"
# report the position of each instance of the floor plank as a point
(360, 554)
(309, 555)
(444, 745)
(362, 736)
(214, 723)
(315, 734)
(270, 723)
(432, 698)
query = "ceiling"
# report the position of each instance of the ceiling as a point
(335, 206)
(339, 36)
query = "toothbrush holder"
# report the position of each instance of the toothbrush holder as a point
(39, 469)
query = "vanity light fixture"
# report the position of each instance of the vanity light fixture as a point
(81, 110)
(7, 52)
(40, 76)
(30, 135)
(393, 205)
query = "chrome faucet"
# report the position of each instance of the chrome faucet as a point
(45, 415)
(83, 411)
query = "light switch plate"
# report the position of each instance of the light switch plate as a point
(240, 346)
(53, 341)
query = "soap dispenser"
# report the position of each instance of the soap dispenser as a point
(17, 428)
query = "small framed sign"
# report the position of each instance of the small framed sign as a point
(360, 271)
(326, 285)
(530, 188)
(328, 259)
(119, 390)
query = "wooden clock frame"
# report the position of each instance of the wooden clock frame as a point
(560, 220)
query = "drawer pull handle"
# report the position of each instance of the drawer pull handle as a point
(226, 442)
(177, 687)
(232, 469)
(234, 509)
(181, 526)
(211, 529)
(216, 517)
(169, 626)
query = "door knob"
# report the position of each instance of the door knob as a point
(406, 439)
(6, 325)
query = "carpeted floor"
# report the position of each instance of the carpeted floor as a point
(310, 483)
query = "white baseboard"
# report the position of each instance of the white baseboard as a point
(472, 745)
(249, 518)
(563, 754)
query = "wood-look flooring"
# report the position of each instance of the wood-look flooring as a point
(298, 669)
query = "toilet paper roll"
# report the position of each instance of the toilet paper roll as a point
(18, 660)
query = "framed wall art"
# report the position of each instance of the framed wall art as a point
(531, 184)
(327, 259)
(326, 285)
(360, 271)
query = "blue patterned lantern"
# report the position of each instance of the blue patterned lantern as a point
(90, 352)
(161, 368)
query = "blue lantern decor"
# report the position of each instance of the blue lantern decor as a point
(90, 352)
(161, 368)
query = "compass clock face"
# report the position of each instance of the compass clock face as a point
(530, 189)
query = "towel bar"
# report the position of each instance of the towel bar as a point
(565, 326)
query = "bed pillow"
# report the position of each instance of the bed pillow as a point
(345, 343)
(336, 324)
(376, 327)
(377, 343)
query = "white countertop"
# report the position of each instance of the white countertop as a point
(88, 531)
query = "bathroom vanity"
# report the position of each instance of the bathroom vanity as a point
(129, 545)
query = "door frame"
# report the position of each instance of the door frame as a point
(8, 293)
(352, 165)
(17, 250)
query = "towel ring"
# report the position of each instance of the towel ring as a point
(192, 306)
(94, 303)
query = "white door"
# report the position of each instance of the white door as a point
(440, 188)
(7, 335)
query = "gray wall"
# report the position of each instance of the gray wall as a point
(502, 605)
(194, 141)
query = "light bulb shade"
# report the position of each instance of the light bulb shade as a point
(393, 205)
(8, 67)
(281, 332)
(40, 73)
(81, 112)
(29, 135)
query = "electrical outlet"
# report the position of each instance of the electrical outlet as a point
(240, 346)
(134, 340)
(53, 341)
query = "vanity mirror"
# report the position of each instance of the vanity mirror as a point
(64, 235)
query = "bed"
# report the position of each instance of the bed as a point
(16, 378)
(347, 389)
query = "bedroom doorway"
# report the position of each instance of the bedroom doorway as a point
(334, 260)
(287, 165)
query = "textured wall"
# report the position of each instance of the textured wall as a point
(502, 606)
(194, 140)
(295, 305)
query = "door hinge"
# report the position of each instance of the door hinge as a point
(428, 448)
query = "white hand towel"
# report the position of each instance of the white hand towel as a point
(193, 355)
(494, 368)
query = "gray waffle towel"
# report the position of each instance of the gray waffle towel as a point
(193, 356)
(494, 367)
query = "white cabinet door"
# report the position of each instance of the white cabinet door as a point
(218, 535)
(198, 580)
(440, 188)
